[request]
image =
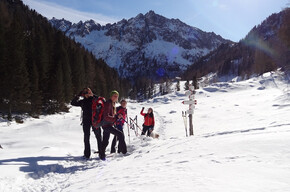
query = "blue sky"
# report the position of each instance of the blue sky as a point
(232, 19)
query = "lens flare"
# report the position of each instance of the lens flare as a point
(172, 54)
(256, 42)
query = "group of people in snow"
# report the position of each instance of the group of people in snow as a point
(115, 118)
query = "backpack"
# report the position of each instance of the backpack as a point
(97, 111)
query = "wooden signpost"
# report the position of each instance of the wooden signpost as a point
(191, 102)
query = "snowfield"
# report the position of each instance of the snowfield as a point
(241, 143)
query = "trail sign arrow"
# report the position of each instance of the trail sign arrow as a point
(188, 102)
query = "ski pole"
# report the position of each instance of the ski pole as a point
(131, 125)
(136, 125)
(133, 122)
(128, 130)
(185, 122)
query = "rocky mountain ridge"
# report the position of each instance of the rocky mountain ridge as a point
(147, 45)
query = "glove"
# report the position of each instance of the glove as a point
(120, 116)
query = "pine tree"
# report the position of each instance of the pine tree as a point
(178, 85)
(59, 88)
(186, 85)
(89, 71)
(151, 90)
(78, 71)
(42, 63)
(17, 79)
(36, 98)
(56, 79)
(133, 93)
(68, 92)
(161, 89)
(168, 85)
(195, 82)
(2, 64)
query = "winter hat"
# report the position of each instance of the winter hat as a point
(114, 92)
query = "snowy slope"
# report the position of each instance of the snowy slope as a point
(241, 143)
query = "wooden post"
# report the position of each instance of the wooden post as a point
(190, 125)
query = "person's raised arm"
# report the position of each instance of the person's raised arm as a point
(76, 101)
(142, 111)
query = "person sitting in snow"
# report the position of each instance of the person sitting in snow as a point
(148, 125)
(120, 122)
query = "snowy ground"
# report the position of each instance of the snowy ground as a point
(241, 143)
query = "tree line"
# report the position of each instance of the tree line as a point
(41, 69)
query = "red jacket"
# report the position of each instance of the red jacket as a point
(123, 112)
(148, 121)
(109, 113)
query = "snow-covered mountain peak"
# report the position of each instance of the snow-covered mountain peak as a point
(143, 44)
(61, 24)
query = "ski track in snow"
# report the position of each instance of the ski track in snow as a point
(241, 143)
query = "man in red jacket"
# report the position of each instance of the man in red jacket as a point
(149, 122)
(110, 116)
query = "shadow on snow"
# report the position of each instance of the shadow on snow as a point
(32, 165)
